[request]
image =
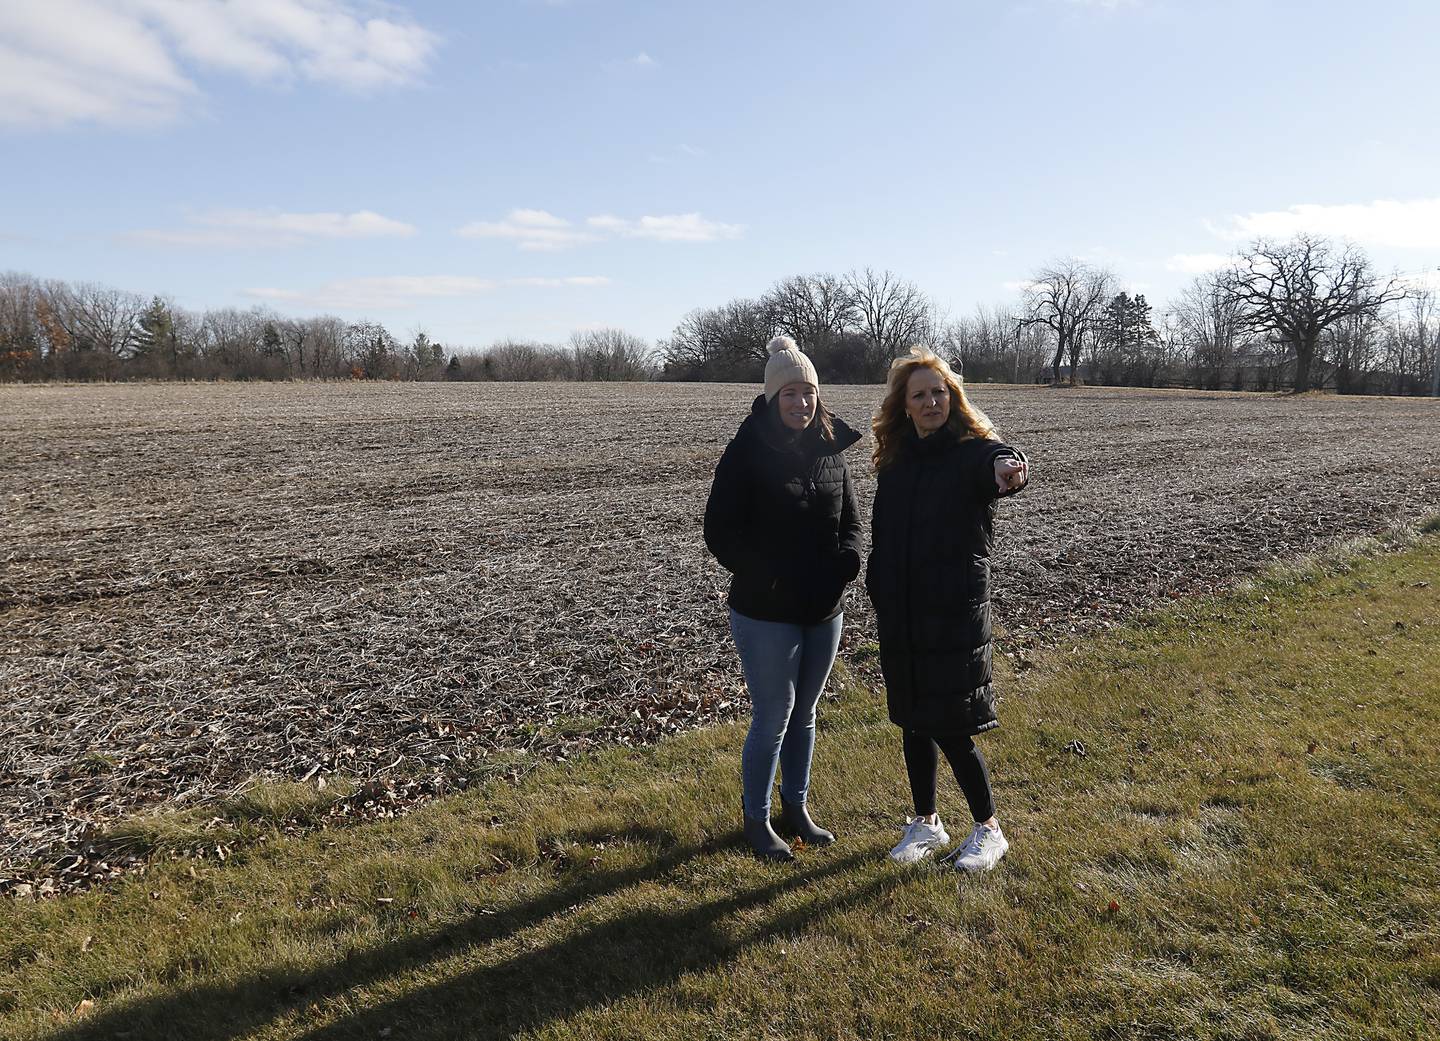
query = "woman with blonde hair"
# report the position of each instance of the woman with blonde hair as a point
(940, 468)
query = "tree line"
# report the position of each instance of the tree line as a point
(82, 331)
(1301, 314)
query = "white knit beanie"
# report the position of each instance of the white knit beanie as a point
(787, 364)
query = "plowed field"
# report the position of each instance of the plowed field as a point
(420, 584)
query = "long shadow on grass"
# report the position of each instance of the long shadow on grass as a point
(600, 964)
(220, 1013)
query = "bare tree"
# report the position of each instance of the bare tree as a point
(610, 354)
(990, 345)
(1425, 316)
(720, 343)
(109, 319)
(1352, 343)
(372, 349)
(21, 337)
(1212, 327)
(1066, 298)
(522, 360)
(814, 309)
(1296, 290)
(326, 338)
(891, 313)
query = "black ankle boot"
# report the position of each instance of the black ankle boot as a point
(763, 840)
(797, 820)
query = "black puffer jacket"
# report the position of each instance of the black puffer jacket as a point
(782, 519)
(929, 579)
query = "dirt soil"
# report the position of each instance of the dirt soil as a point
(422, 585)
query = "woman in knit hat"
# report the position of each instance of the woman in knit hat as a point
(782, 519)
(940, 466)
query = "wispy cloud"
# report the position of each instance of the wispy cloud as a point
(542, 230)
(680, 227)
(639, 61)
(1196, 263)
(556, 283)
(529, 229)
(679, 153)
(1420, 280)
(392, 292)
(1408, 224)
(129, 62)
(264, 228)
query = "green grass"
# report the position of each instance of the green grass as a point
(1249, 847)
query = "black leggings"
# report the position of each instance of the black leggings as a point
(922, 762)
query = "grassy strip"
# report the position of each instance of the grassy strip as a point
(1225, 823)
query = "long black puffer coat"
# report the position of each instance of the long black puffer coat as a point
(929, 579)
(782, 519)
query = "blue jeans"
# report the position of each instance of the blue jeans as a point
(785, 667)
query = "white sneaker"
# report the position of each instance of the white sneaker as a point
(982, 850)
(921, 839)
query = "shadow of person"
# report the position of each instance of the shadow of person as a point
(603, 963)
(255, 1000)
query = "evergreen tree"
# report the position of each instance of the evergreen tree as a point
(1126, 341)
(271, 345)
(157, 331)
(156, 342)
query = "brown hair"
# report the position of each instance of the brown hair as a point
(891, 421)
(822, 425)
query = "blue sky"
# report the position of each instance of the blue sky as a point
(527, 168)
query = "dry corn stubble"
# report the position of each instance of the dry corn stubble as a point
(418, 584)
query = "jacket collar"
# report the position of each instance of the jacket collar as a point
(924, 447)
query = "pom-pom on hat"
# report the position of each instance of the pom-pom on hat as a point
(787, 364)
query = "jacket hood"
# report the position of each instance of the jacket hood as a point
(758, 424)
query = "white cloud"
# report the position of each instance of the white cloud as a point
(398, 291)
(542, 230)
(529, 229)
(124, 62)
(680, 227)
(361, 224)
(260, 228)
(1196, 263)
(1412, 224)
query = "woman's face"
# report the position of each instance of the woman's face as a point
(927, 401)
(797, 405)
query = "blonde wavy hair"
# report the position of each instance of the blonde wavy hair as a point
(890, 423)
